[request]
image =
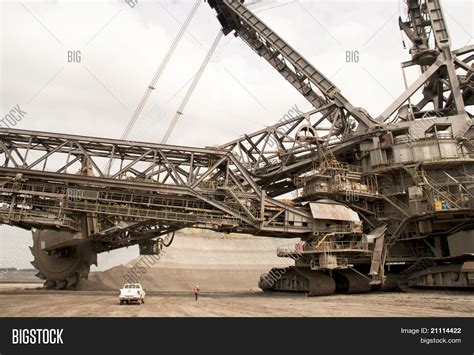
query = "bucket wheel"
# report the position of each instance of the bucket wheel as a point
(63, 269)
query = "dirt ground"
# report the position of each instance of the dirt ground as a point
(25, 300)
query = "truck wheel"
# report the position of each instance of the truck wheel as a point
(143, 300)
(121, 302)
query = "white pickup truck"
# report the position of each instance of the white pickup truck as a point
(132, 293)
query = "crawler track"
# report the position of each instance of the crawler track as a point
(314, 283)
(449, 272)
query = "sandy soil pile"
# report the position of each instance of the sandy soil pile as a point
(214, 261)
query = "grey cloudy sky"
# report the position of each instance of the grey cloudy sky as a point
(121, 48)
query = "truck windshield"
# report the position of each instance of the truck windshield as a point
(131, 286)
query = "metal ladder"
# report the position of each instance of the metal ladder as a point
(440, 31)
(439, 191)
(303, 72)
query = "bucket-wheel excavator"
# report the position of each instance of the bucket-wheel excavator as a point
(382, 202)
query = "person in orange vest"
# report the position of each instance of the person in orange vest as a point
(196, 292)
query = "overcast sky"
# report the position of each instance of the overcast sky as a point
(121, 47)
